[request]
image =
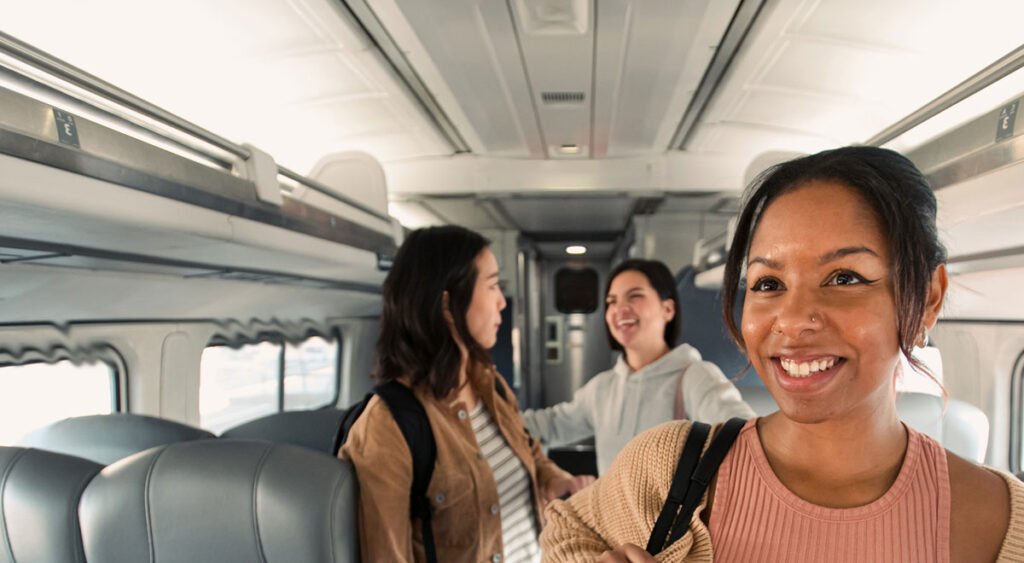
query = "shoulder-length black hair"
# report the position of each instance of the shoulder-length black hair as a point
(898, 194)
(664, 284)
(414, 337)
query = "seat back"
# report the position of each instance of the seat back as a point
(702, 327)
(960, 427)
(222, 501)
(317, 429)
(39, 493)
(106, 438)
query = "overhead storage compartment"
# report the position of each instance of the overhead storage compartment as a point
(124, 186)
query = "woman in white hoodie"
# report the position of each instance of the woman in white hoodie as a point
(651, 382)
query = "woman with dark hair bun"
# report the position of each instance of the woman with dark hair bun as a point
(843, 271)
(653, 381)
(442, 309)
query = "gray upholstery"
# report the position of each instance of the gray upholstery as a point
(960, 427)
(318, 429)
(222, 501)
(106, 438)
(39, 494)
(701, 326)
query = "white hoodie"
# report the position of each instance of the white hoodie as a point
(616, 405)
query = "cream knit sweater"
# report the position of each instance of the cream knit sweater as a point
(622, 506)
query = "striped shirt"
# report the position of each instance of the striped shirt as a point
(518, 522)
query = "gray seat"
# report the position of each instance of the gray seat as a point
(702, 327)
(960, 427)
(106, 438)
(317, 429)
(222, 501)
(39, 493)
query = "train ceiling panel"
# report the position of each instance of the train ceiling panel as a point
(298, 79)
(568, 79)
(814, 74)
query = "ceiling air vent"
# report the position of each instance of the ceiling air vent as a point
(562, 97)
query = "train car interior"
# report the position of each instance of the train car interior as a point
(200, 200)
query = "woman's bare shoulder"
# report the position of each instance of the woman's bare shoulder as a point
(980, 510)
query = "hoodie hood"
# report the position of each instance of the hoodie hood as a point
(671, 363)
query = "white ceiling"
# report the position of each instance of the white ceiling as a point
(489, 66)
(301, 80)
(295, 78)
(816, 74)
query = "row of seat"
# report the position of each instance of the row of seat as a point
(129, 488)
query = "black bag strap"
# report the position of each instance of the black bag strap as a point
(688, 459)
(412, 420)
(697, 471)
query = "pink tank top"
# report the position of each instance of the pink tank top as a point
(756, 518)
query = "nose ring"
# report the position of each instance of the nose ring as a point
(813, 318)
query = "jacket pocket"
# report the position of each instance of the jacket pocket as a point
(454, 500)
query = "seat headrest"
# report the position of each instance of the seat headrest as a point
(318, 429)
(39, 493)
(106, 438)
(222, 501)
(701, 326)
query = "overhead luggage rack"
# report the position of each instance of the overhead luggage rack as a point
(57, 115)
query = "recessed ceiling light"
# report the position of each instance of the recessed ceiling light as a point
(576, 249)
(569, 149)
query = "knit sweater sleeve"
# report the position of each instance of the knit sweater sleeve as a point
(622, 506)
(1013, 543)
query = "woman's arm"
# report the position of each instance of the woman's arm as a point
(710, 397)
(622, 506)
(565, 422)
(383, 464)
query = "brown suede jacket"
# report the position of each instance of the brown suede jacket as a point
(462, 489)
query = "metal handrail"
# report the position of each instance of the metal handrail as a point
(994, 72)
(36, 58)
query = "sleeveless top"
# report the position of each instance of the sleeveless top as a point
(756, 518)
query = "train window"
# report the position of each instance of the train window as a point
(311, 373)
(36, 394)
(238, 384)
(576, 290)
(1017, 418)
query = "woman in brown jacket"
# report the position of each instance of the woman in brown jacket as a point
(442, 310)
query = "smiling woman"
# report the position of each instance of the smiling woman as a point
(843, 273)
(655, 379)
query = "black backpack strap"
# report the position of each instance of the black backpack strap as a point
(412, 420)
(349, 419)
(705, 472)
(688, 459)
(692, 477)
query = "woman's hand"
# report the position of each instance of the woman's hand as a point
(558, 487)
(626, 553)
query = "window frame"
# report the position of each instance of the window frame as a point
(1016, 451)
(105, 353)
(334, 334)
(109, 355)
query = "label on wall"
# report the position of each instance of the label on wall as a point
(67, 130)
(1007, 117)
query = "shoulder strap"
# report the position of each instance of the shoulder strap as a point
(680, 482)
(348, 420)
(678, 406)
(412, 420)
(701, 474)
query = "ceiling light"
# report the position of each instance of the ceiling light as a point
(576, 249)
(569, 149)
